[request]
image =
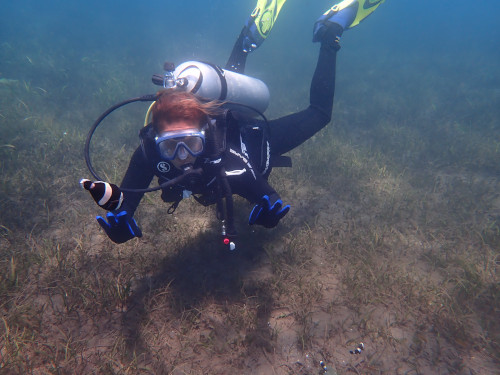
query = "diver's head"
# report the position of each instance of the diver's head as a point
(180, 121)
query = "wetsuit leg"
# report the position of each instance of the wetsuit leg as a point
(257, 28)
(290, 131)
(238, 58)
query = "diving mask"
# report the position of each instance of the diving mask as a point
(180, 144)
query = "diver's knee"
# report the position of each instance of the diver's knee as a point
(322, 115)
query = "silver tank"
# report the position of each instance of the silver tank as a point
(214, 83)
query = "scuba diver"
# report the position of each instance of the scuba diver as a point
(208, 146)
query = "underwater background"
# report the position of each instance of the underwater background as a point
(394, 234)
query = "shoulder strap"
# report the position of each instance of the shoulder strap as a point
(216, 135)
(147, 143)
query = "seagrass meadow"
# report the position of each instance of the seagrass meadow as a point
(393, 238)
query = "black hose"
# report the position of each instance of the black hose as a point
(228, 195)
(174, 181)
(145, 98)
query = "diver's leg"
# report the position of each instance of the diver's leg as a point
(238, 58)
(256, 30)
(290, 131)
(347, 13)
(328, 29)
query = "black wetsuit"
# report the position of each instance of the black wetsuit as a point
(245, 170)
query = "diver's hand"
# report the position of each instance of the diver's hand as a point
(106, 195)
(266, 214)
(251, 36)
(119, 228)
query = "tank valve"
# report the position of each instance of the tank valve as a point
(168, 76)
(168, 80)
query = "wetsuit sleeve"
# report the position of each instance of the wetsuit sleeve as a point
(245, 180)
(138, 176)
(252, 189)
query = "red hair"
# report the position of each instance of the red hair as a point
(173, 106)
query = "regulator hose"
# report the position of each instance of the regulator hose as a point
(145, 98)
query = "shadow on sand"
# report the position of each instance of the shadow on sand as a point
(205, 272)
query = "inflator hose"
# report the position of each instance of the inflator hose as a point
(145, 98)
(174, 181)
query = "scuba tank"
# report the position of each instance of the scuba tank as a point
(214, 83)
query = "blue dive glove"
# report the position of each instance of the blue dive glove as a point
(266, 214)
(119, 228)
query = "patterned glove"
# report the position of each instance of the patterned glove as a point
(106, 195)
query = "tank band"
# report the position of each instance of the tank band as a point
(223, 82)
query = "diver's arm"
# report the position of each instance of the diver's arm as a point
(138, 176)
(251, 185)
(269, 208)
(244, 179)
(257, 28)
(119, 225)
(252, 189)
